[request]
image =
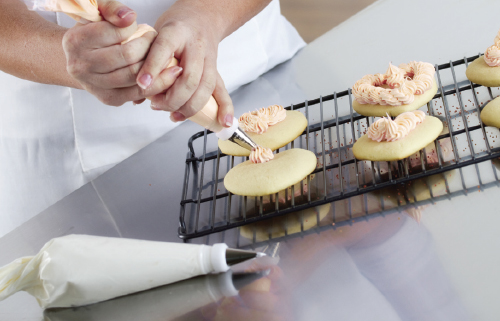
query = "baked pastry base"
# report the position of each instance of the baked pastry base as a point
(490, 115)
(275, 137)
(383, 110)
(287, 168)
(480, 73)
(421, 136)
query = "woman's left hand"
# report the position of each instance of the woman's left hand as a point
(191, 34)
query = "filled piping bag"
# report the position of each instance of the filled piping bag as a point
(77, 270)
(85, 11)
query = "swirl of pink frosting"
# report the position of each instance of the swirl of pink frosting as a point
(405, 81)
(252, 123)
(395, 131)
(261, 155)
(258, 121)
(492, 54)
(377, 130)
(394, 76)
(392, 130)
(274, 114)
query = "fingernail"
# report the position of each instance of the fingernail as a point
(122, 13)
(176, 70)
(145, 81)
(154, 107)
(228, 120)
(176, 116)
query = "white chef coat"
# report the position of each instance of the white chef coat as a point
(54, 139)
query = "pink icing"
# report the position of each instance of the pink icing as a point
(258, 121)
(492, 54)
(405, 81)
(391, 130)
(254, 123)
(261, 155)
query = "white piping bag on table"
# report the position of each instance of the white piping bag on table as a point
(85, 11)
(77, 270)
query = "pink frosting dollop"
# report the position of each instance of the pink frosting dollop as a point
(386, 129)
(492, 54)
(404, 82)
(258, 121)
(261, 155)
(254, 123)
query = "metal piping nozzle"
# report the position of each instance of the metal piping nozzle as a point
(241, 138)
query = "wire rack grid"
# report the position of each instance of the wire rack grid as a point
(206, 207)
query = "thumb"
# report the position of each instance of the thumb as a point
(225, 114)
(117, 13)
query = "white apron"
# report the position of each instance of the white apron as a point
(55, 139)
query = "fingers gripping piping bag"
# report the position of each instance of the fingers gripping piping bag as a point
(77, 270)
(85, 11)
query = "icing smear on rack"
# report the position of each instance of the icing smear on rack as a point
(261, 155)
(492, 54)
(404, 82)
(259, 121)
(386, 129)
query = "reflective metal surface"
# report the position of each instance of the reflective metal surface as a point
(435, 260)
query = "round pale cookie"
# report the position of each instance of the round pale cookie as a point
(480, 73)
(275, 137)
(292, 223)
(383, 110)
(490, 115)
(425, 132)
(286, 169)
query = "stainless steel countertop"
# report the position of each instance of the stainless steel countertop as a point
(387, 266)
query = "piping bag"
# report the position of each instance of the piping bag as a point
(78, 270)
(164, 303)
(85, 11)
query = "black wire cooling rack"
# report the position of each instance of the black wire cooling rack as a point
(207, 207)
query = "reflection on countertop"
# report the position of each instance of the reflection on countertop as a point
(178, 301)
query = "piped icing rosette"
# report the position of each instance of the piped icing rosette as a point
(258, 121)
(404, 82)
(261, 155)
(386, 129)
(492, 54)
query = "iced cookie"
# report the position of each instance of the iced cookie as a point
(390, 140)
(275, 136)
(490, 115)
(293, 223)
(259, 179)
(485, 70)
(401, 89)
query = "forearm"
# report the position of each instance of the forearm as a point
(31, 46)
(226, 15)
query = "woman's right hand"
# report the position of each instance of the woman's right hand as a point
(104, 66)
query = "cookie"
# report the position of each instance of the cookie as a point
(383, 110)
(275, 137)
(480, 73)
(418, 138)
(490, 115)
(287, 168)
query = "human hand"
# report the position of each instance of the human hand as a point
(191, 35)
(103, 65)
